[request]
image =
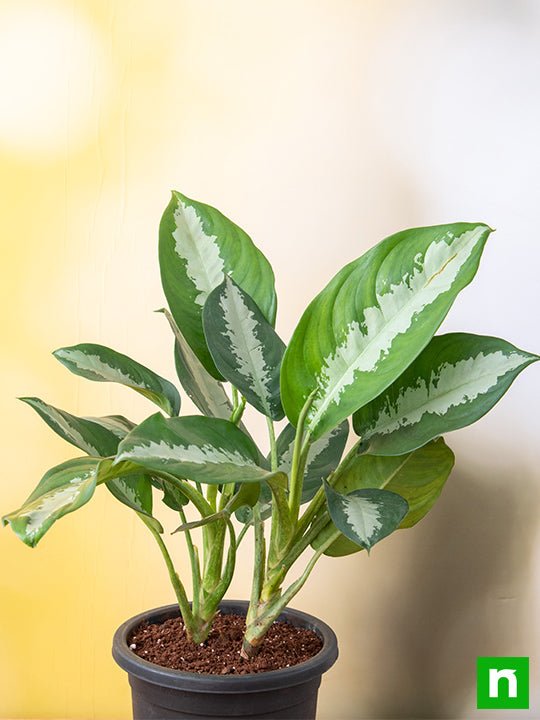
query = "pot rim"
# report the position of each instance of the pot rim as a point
(208, 683)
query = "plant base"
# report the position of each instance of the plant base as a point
(159, 693)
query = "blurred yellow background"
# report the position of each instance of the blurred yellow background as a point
(320, 127)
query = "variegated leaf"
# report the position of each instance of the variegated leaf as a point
(454, 381)
(117, 424)
(99, 437)
(377, 314)
(205, 391)
(100, 363)
(203, 449)
(197, 247)
(244, 346)
(419, 477)
(62, 490)
(323, 456)
(135, 491)
(88, 434)
(365, 516)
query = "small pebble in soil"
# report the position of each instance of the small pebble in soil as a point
(166, 644)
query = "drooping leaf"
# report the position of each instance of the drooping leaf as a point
(135, 491)
(100, 363)
(197, 247)
(366, 516)
(62, 490)
(454, 381)
(370, 322)
(419, 477)
(323, 456)
(205, 391)
(244, 346)
(99, 437)
(88, 434)
(117, 424)
(203, 449)
(172, 496)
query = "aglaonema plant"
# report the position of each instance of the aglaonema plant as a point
(365, 349)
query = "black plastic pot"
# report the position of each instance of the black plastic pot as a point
(162, 694)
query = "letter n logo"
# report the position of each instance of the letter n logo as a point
(502, 683)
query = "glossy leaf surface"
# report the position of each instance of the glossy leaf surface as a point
(203, 449)
(454, 381)
(370, 322)
(244, 346)
(62, 490)
(197, 247)
(100, 363)
(419, 477)
(88, 434)
(365, 516)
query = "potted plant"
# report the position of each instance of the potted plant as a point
(365, 349)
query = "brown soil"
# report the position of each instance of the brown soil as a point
(166, 644)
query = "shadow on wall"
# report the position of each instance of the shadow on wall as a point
(461, 592)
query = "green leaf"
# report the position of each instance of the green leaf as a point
(454, 381)
(172, 496)
(62, 490)
(419, 477)
(244, 346)
(117, 424)
(203, 449)
(323, 456)
(197, 247)
(135, 491)
(366, 516)
(246, 495)
(205, 391)
(370, 322)
(100, 363)
(99, 437)
(88, 434)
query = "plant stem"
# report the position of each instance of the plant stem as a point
(259, 560)
(211, 495)
(300, 451)
(242, 533)
(256, 630)
(189, 491)
(179, 589)
(318, 499)
(239, 404)
(273, 447)
(195, 566)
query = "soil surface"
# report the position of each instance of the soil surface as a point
(166, 644)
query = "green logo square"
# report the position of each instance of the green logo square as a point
(502, 683)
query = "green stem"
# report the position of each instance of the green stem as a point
(189, 491)
(211, 496)
(259, 560)
(239, 404)
(242, 533)
(273, 446)
(319, 498)
(195, 566)
(300, 451)
(179, 589)
(256, 630)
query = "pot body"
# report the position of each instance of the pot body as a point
(159, 693)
